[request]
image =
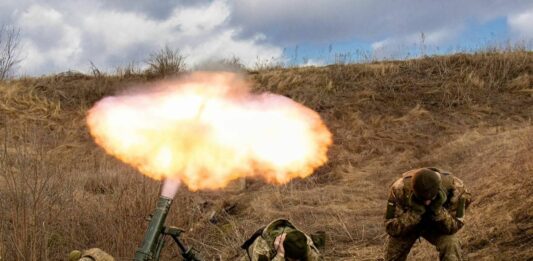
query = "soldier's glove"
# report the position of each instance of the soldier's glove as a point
(436, 204)
(75, 255)
(416, 206)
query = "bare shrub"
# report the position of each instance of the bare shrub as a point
(344, 58)
(9, 50)
(166, 62)
(232, 64)
(32, 189)
(95, 71)
(265, 64)
(131, 69)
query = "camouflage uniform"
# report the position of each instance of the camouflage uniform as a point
(405, 226)
(263, 248)
(93, 254)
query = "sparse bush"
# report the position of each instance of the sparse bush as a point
(95, 71)
(166, 62)
(130, 70)
(265, 64)
(30, 186)
(344, 58)
(9, 50)
(232, 64)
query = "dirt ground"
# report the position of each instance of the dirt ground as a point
(468, 114)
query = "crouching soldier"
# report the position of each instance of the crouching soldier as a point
(93, 254)
(281, 241)
(426, 203)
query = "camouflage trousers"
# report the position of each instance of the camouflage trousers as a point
(398, 248)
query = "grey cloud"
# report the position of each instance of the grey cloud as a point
(44, 37)
(157, 10)
(323, 21)
(9, 10)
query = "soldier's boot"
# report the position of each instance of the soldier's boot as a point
(398, 248)
(448, 246)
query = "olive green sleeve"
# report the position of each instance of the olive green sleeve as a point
(447, 223)
(259, 250)
(314, 255)
(450, 220)
(399, 221)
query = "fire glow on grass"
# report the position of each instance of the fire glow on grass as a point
(207, 129)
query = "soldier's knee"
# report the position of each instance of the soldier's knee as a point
(448, 243)
(449, 249)
(397, 248)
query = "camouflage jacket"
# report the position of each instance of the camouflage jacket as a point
(405, 221)
(263, 246)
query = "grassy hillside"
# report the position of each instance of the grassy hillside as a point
(469, 114)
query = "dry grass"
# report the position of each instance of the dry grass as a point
(470, 114)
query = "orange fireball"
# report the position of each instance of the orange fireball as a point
(207, 129)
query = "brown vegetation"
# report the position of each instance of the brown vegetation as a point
(470, 114)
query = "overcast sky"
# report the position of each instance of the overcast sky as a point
(60, 35)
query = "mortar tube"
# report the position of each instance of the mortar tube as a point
(153, 232)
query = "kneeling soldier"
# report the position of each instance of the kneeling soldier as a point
(426, 203)
(280, 241)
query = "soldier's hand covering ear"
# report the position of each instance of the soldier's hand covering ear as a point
(436, 204)
(416, 206)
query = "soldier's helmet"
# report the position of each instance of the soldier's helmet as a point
(426, 184)
(295, 245)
